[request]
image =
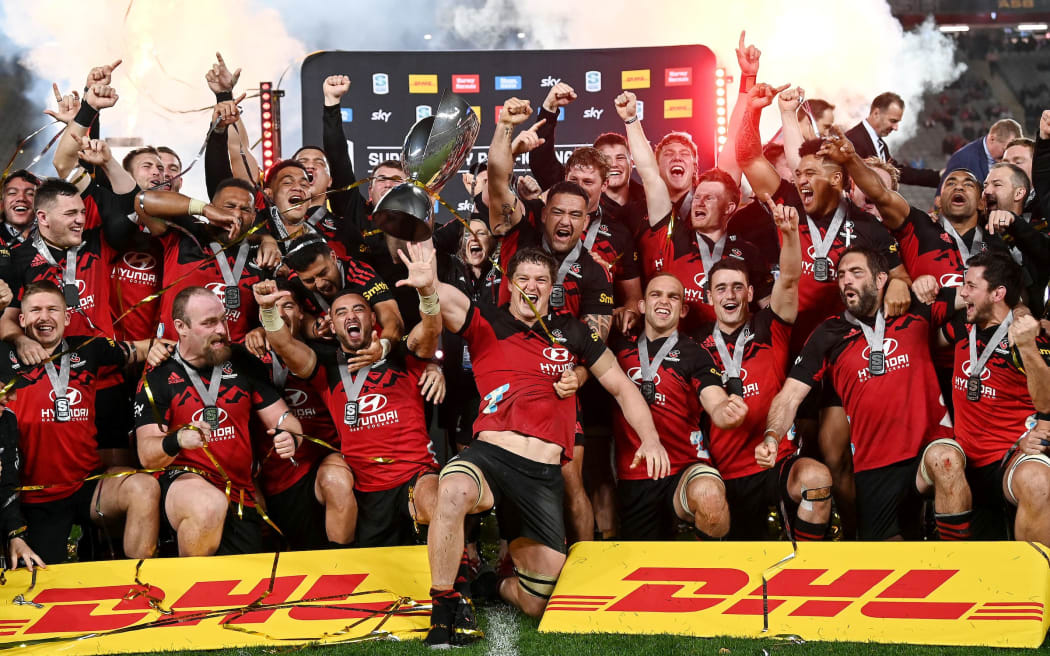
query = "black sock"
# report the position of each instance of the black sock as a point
(955, 526)
(807, 531)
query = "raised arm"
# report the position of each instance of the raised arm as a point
(789, 102)
(893, 208)
(155, 205)
(785, 290)
(543, 163)
(747, 57)
(657, 198)
(422, 274)
(454, 306)
(97, 98)
(760, 173)
(296, 355)
(1023, 333)
(504, 210)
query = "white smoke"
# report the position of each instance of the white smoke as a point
(166, 47)
(845, 52)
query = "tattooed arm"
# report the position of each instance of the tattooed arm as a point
(599, 324)
(504, 208)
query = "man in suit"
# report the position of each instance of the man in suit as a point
(979, 155)
(884, 117)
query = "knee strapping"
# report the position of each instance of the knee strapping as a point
(692, 473)
(814, 495)
(537, 585)
(944, 441)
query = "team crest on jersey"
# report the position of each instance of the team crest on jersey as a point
(227, 369)
(575, 269)
(736, 253)
(558, 335)
(74, 357)
(674, 356)
(175, 379)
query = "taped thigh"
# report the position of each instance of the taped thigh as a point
(537, 585)
(468, 469)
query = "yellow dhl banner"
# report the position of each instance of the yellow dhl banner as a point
(210, 603)
(943, 593)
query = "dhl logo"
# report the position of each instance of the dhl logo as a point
(638, 79)
(679, 108)
(422, 83)
(794, 592)
(92, 609)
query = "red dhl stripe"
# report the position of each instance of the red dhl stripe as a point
(587, 608)
(580, 597)
(1004, 617)
(1013, 603)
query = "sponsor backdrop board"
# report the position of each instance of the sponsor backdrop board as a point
(941, 593)
(390, 91)
(211, 603)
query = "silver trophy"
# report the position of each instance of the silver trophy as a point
(434, 149)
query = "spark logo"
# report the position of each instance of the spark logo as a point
(508, 83)
(678, 77)
(638, 79)
(678, 108)
(466, 83)
(422, 83)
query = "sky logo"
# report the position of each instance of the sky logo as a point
(508, 83)
(380, 84)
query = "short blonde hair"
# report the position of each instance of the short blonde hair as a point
(890, 169)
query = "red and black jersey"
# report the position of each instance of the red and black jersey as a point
(762, 372)
(927, 250)
(277, 474)
(679, 255)
(358, 277)
(987, 428)
(820, 300)
(389, 444)
(59, 454)
(136, 275)
(186, 265)
(894, 415)
(588, 285)
(318, 221)
(516, 366)
(92, 274)
(685, 371)
(245, 387)
(614, 242)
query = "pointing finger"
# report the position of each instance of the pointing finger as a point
(58, 94)
(781, 88)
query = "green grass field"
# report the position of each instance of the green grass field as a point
(509, 632)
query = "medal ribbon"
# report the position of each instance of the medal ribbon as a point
(731, 363)
(649, 368)
(875, 335)
(977, 364)
(231, 277)
(709, 256)
(569, 260)
(960, 244)
(69, 274)
(592, 230)
(822, 245)
(352, 388)
(59, 379)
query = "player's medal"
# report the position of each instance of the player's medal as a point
(973, 388)
(71, 294)
(877, 363)
(62, 410)
(734, 386)
(649, 391)
(232, 297)
(558, 296)
(350, 413)
(821, 269)
(211, 416)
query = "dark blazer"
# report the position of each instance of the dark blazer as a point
(971, 157)
(865, 148)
